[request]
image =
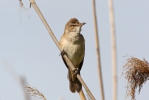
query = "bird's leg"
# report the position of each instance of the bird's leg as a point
(62, 53)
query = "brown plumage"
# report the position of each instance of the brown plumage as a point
(73, 44)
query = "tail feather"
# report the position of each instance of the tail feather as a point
(74, 86)
(78, 85)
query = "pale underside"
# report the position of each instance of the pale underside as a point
(74, 46)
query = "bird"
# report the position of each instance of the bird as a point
(72, 43)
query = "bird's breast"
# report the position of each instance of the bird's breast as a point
(74, 50)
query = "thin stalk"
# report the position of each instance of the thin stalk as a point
(113, 50)
(19, 79)
(82, 96)
(98, 50)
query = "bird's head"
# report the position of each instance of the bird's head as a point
(73, 25)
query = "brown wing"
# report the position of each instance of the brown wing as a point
(81, 64)
(65, 62)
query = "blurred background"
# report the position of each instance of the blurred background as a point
(26, 45)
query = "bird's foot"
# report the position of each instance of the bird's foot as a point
(75, 71)
(62, 53)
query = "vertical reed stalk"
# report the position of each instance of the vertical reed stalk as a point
(113, 50)
(98, 50)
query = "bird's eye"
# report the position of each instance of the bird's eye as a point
(73, 25)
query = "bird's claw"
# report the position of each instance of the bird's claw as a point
(62, 53)
(75, 71)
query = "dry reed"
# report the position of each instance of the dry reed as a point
(34, 92)
(136, 72)
(113, 49)
(21, 3)
(98, 50)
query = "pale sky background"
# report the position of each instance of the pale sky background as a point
(27, 46)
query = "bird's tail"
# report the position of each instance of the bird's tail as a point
(74, 85)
